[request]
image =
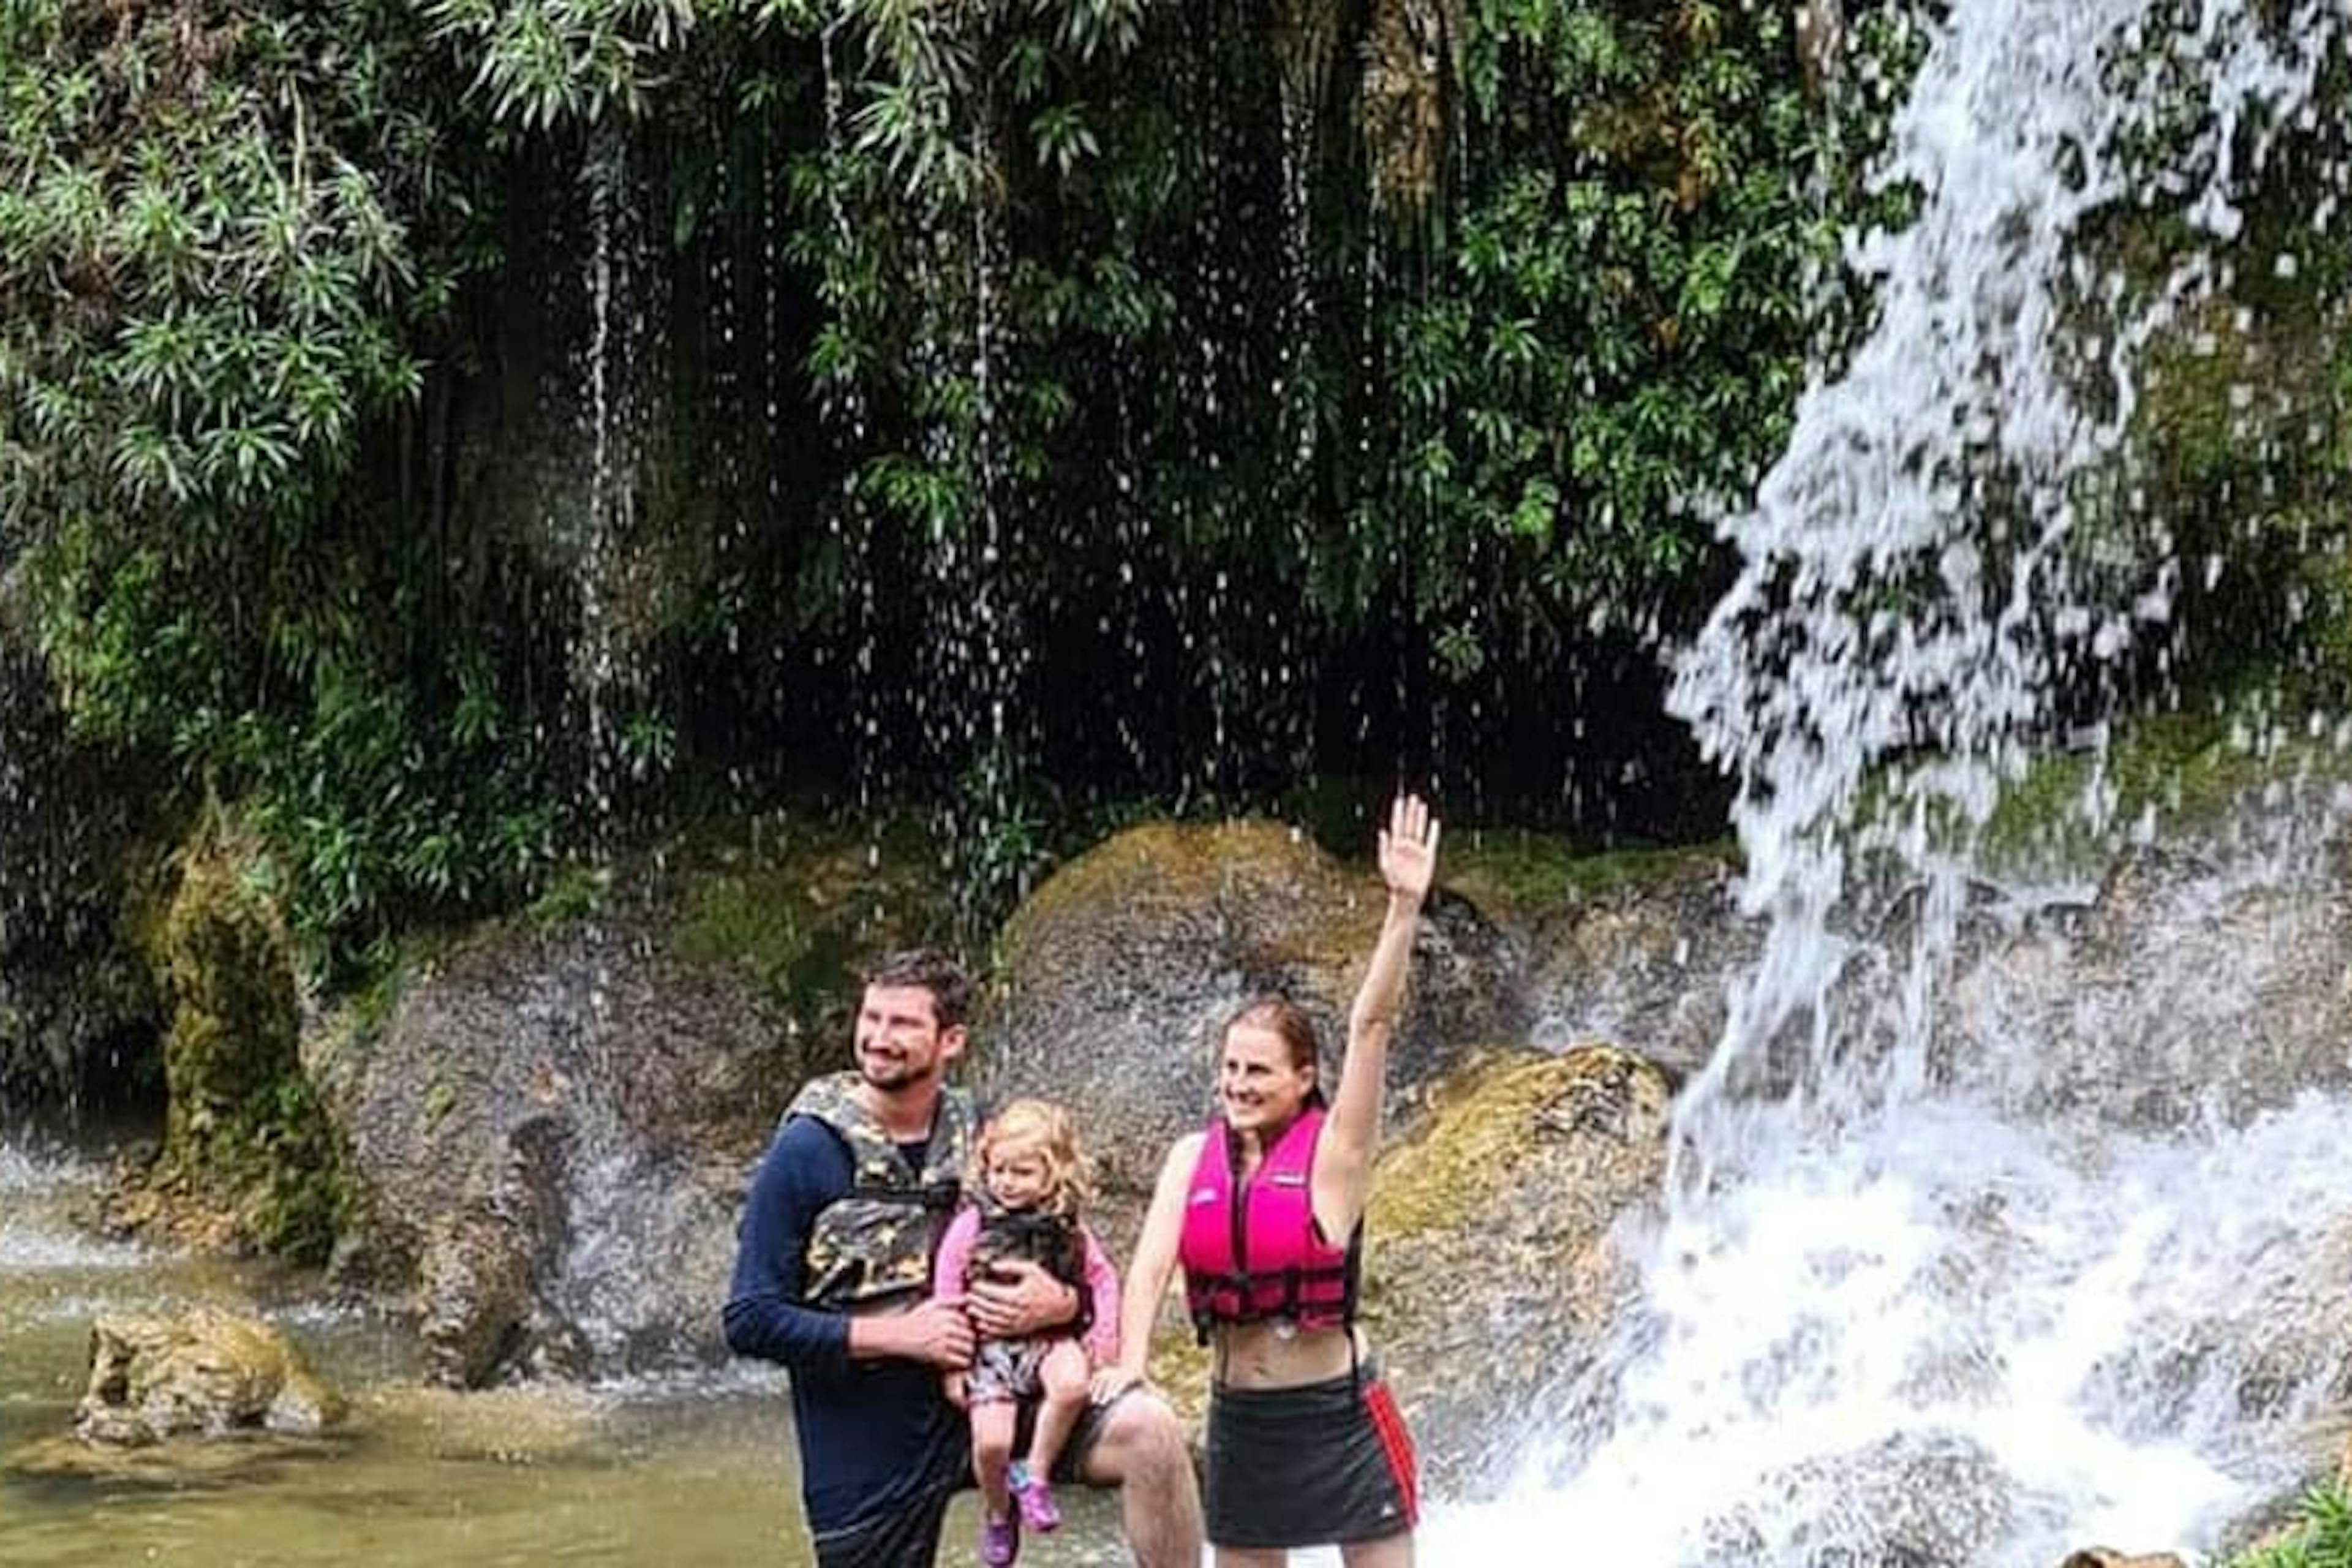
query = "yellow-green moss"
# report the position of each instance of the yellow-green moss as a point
(2181, 774)
(1182, 860)
(244, 1131)
(1476, 1129)
(1511, 868)
(798, 906)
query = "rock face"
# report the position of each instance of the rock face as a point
(2183, 984)
(1492, 1272)
(520, 1100)
(1119, 970)
(1646, 960)
(206, 1374)
(551, 1124)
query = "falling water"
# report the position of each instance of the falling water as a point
(611, 349)
(1903, 1309)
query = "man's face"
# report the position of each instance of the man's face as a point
(900, 1042)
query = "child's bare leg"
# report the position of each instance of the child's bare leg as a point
(1389, 1551)
(992, 1453)
(1062, 1380)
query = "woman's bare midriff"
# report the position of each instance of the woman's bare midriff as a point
(1272, 1355)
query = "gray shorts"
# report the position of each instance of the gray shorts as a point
(1309, 1466)
(1008, 1370)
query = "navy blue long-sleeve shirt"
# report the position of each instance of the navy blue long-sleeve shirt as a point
(873, 1435)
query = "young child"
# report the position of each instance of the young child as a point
(1029, 1187)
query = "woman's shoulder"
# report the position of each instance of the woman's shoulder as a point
(1182, 1155)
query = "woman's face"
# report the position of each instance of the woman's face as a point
(1257, 1087)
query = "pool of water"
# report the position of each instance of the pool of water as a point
(695, 1470)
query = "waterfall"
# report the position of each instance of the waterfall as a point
(1936, 1284)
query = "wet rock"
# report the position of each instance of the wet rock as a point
(1117, 971)
(514, 1086)
(1492, 1273)
(209, 1373)
(1646, 957)
(480, 1275)
(551, 1122)
(1918, 1500)
(2184, 987)
(2108, 1557)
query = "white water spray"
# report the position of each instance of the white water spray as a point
(1897, 1313)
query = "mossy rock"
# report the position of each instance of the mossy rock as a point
(1639, 945)
(2192, 781)
(609, 1064)
(1116, 973)
(249, 1156)
(207, 1373)
(1492, 1271)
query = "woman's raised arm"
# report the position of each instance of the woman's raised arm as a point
(1343, 1158)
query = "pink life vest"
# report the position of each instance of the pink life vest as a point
(1251, 1251)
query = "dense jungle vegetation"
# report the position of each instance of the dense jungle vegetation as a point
(456, 434)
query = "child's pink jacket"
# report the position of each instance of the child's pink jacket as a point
(954, 1261)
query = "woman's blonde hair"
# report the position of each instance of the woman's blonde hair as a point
(1041, 1125)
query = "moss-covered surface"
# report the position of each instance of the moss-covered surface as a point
(1514, 871)
(799, 906)
(2176, 778)
(1487, 1123)
(1191, 863)
(248, 1153)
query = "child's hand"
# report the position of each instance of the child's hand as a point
(958, 1393)
(1108, 1383)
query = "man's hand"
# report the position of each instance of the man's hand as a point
(1018, 1298)
(957, 1390)
(1110, 1381)
(936, 1333)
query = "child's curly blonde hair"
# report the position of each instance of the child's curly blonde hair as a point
(1041, 1127)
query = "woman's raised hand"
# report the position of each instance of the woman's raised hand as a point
(1409, 848)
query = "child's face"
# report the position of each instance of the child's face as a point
(1018, 1178)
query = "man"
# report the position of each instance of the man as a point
(831, 1277)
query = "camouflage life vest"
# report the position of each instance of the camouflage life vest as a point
(873, 1245)
(1047, 1239)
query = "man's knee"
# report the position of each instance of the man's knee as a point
(1140, 1438)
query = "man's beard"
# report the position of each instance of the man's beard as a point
(890, 1077)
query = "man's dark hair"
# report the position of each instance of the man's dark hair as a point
(932, 971)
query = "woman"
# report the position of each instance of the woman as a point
(1264, 1211)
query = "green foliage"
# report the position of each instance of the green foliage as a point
(1094, 338)
(2321, 1536)
(543, 62)
(226, 235)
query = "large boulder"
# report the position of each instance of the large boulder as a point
(2182, 987)
(1494, 1271)
(1117, 971)
(1635, 945)
(206, 1374)
(550, 1122)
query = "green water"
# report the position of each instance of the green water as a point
(695, 1471)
